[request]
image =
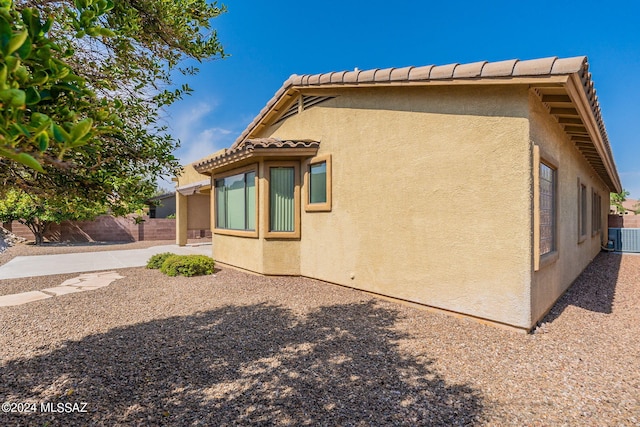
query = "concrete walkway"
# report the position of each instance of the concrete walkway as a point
(45, 265)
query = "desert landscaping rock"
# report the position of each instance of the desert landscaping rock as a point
(241, 349)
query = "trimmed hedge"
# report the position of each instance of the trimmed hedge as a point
(156, 260)
(187, 265)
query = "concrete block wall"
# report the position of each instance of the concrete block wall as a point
(109, 229)
(624, 221)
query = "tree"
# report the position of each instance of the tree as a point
(100, 118)
(46, 106)
(617, 199)
(38, 213)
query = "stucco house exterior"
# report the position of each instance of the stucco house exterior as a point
(343, 177)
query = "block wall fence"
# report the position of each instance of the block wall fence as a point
(107, 228)
(624, 221)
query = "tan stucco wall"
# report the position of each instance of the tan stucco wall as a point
(198, 212)
(181, 219)
(240, 252)
(401, 158)
(553, 279)
(261, 255)
(189, 174)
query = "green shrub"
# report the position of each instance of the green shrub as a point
(187, 265)
(157, 260)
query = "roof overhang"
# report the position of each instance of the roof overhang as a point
(255, 149)
(196, 187)
(563, 84)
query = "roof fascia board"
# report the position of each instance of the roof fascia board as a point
(576, 91)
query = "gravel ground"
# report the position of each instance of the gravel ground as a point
(240, 349)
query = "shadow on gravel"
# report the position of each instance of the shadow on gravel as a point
(258, 364)
(593, 290)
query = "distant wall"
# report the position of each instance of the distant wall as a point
(107, 229)
(166, 207)
(624, 221)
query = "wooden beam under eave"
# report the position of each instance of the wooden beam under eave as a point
(556, 98)
(577, 138)
(576, 129)
(589, 148)
(571, 112)
(569, 121)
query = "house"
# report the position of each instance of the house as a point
(342, 177)
(162, 206)
(193, 203)
(631, 207)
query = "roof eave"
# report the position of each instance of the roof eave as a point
(236, 159)
(576, 90)
(289, 91)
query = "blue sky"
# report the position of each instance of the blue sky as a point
(269, 41)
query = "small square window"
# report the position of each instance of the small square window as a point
(318, 183)
(317, 179)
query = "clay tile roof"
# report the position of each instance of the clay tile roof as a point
(443, 72)
(325, 78)
(278, 143)
(569, 65)
(367, 76)
(251, 145)
(420, 73)
(474, 71)
(384, 75)
(400, 74)
(498, 69)
(534, 67)
(468, 70)
(338, 77)
(351, 76)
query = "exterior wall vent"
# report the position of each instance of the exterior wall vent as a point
(307, 102)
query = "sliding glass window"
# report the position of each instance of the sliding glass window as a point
(236, 202)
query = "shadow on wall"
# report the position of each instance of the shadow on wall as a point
(257, 364)
(593, 290)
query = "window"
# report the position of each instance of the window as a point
(283, 199)
(547, 209)
(596, 217)
(582, 211)
(318, 184)
(235, 202)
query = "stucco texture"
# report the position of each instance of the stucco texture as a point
(431, 196)
(573, 253)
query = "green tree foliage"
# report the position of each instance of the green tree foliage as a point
(86, 83)
(47, 109)
(616, 200)
(38, 213)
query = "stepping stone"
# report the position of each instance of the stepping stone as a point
(23, 298)
(84, 282)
